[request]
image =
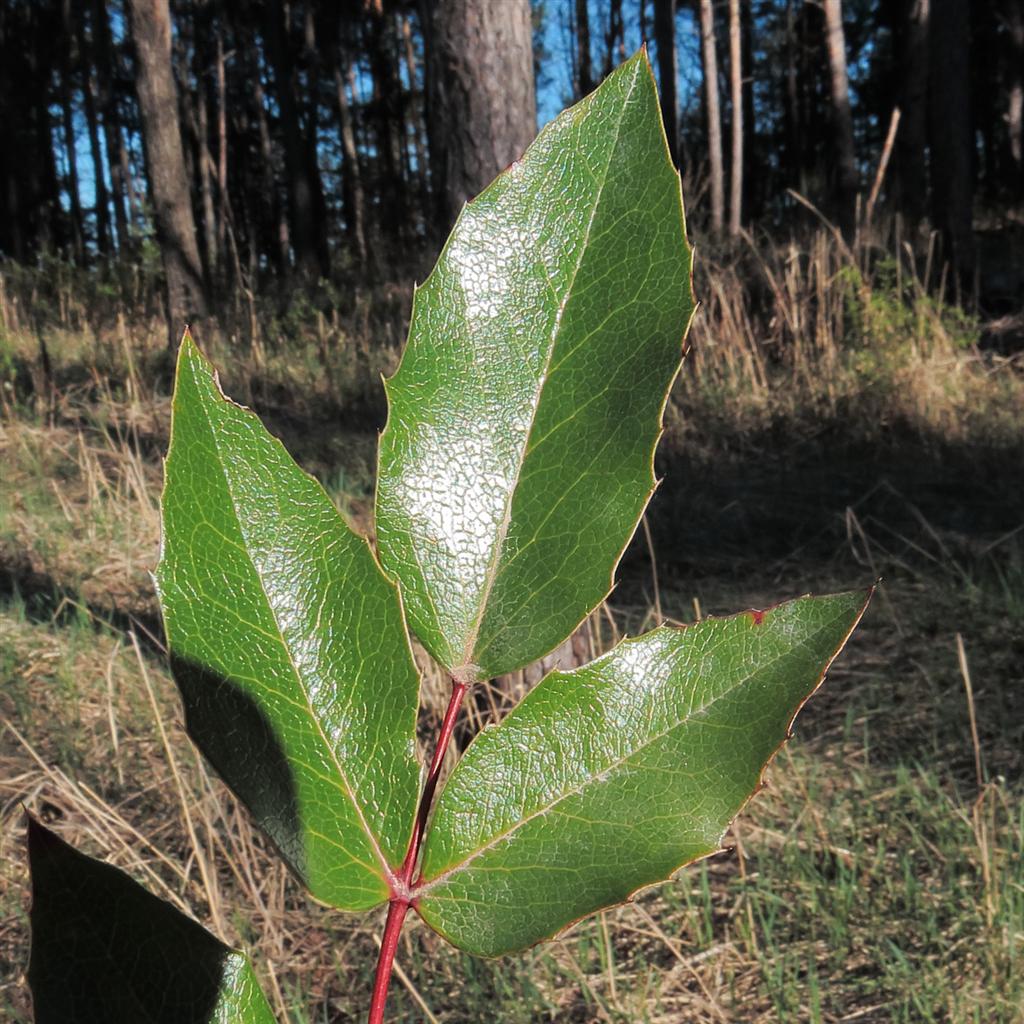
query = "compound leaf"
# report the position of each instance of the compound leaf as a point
(288, 645)
(517, 458)
(104, 949)
(609, 778)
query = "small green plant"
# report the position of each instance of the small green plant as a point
(515, 467)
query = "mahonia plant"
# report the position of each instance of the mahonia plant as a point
(515, 466)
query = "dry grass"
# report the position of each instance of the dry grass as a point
(879, 878)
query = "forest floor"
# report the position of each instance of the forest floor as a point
(878, 878)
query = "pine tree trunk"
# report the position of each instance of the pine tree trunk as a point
(753, 174)
(794, 120)
(1014, 17)
(910, 171)
(482, 111)
(736, 99)
(709, 54)
(615, 38)
(388, 122)
(172, 207)
(104, 241)
(102, 50)
(352, 175)
(665, 43)
(200, 118)
(67, 112)
(280, 241)
(414, 118)
(584, 77)
(301, 186)
(846, 171)
(224, 210)
(950, 133)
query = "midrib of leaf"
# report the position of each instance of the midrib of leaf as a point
(346, 785)
(491, 575)
(462, 865)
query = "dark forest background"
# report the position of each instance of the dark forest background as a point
(254, 146)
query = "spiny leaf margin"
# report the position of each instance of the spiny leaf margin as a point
(548, 816)
(289, 647)
(462, 494)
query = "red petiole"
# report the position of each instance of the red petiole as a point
(402, 886)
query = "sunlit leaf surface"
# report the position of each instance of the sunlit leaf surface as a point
(517, 458)
(609, 778)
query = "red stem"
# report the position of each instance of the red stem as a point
(426, 801)
(402, 887)
(396, 917)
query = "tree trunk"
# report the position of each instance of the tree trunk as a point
(736, 99)
(584, 78)
(615, 38)
(103, 240)
(951, 135)
(200, 119)
(103, 51)
(1014, 18)
(414, 117)
(222, 146)
(910, 172)
(66, 90)
(311, 62)
(301, 187)
(482, 111)
(794, 121)
(754, 177)
(388, 123)
(355, 202)
(842, 118)
(665, 43)
(709, 55)
(172, 207)
(280, 242)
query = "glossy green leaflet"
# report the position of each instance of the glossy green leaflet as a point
(515, 467)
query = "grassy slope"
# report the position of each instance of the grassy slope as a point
(876, 879)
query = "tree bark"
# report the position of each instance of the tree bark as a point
(388, 122)
(67, 112)
(1014, 19)
(584, 76)
(222, 145)
(753, 172)
(736, 99)
(103, 51)
(950, 131)
(910, 171)
(665, 43)
(709, 55)
(104, 242)
(199, 116)
(310, 253)
(615, 38)
(842, 118)
(482, 111)
(352, 180)
(280, 241)
(414, 116)
(172, 207)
